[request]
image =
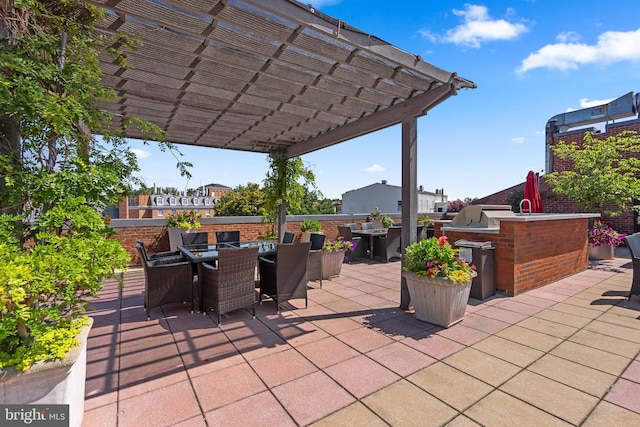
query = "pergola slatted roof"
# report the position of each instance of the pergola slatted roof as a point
(259, 75)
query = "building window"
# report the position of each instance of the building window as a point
(159, 200)
(172, 201)
(207, 202)
(399, 205)
(196, 201)
(184, 201)
(160, 212)
(207, 212)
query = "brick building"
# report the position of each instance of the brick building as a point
(160, 205)
(558, 130)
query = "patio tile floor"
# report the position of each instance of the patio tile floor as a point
(564, 354)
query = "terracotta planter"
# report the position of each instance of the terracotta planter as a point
(332, 263)
(601, 252)
(57, 382)
(437, 300)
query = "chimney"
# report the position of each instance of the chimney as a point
(384, 181)
(421, 188)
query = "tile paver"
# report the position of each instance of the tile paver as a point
(565, 354)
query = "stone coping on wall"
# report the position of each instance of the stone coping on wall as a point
(520, 218)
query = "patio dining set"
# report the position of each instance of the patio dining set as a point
(222, 277)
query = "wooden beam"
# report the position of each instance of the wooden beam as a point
(413, 107)
(409, 196)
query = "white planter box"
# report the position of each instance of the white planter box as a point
(51, 382)
(437, 300)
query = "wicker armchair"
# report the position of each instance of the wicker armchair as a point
(314, 264)
(168, 256)
(165, 281)
(285, 277)
(231, 285)
(388, 247)
(360, 245)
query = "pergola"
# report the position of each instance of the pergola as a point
(269, 74)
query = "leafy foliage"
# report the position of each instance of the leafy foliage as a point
(244, 200)
(311, 226)
(457, 205)
(339, 244)
(184, 219)
(56, 176)
(605, 173)
(285, 183)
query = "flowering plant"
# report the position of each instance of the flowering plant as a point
(184, 219)
(338, 245)
(603, 234)
(435, 257)
(373, 215)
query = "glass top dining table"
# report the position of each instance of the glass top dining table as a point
(209, 251)
(371, 234)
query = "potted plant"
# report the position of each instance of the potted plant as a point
(439, 281)
(374, 217)
(333, 252)
(386, 221)
(603, 239)
(308, 226)
(181, 222)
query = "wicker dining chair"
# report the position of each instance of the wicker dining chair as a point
(198, 238)
(231, 285)
(388, 247)
(285, 277)
(228, 237)
(165, 281)
(314, 264)
(288, 237)
(359, 244)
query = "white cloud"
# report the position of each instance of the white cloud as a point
(612, 46)
(585, 103)
(518, 139)
(141, 154)
(478, 28)
(374, 168)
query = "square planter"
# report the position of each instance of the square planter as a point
(332, 263)
(437, 300)
(601, 252)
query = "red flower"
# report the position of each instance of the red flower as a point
(442, 240)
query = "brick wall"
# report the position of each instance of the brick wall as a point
(555, 203)
(530, 254)
(156, 238)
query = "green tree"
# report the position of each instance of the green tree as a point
(604, 176)
(284, 186)
(244, 200)
(313, 203)
(56, 176)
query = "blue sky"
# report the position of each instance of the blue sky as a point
(531, 60)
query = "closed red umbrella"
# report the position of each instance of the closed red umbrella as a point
(532, 194)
